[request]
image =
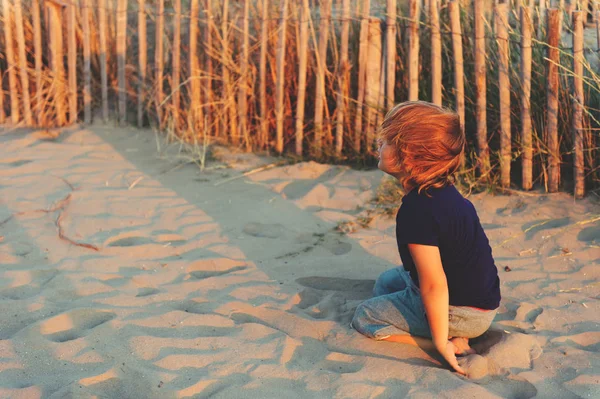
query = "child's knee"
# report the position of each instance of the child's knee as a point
(362, 320)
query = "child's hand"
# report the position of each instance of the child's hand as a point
(448, 353)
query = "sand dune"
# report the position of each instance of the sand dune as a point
(126, 276)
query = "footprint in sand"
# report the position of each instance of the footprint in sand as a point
(205, 268)
(73, 324)
(128, 241)
(261, 230)
(27, 284)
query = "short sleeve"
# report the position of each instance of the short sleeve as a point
(416, 225)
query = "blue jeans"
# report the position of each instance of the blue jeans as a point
(397, 309)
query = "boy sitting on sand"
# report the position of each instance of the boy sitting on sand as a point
(448, 290)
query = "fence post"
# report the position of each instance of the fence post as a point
(72, 61)
(302, 66)
(344, 70)
(10, 60)
(372, 89)
(158, 60)
(279, 76)
(436, 53)
(526, 134)
(243, 89)
(87, 52)
(195, 100)
(175, 78)
(578, 132)
(501, 23)
(413, 52)
(362, 67)
(541, 19)
(103, 46)
(121, 53)
(209, 70)
(457, 47)
(390, 42)
(325, 11)
(262, 89)
(23, 63)
(552, 40)
(56, 59)
(142, 60)
(480, 85)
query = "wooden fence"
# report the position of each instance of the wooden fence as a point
(315, 77)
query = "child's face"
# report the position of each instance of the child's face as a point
(387, 161)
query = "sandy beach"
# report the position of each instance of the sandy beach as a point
(126, 273)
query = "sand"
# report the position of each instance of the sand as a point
(128, 275)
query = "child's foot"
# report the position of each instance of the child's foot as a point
(461, 346)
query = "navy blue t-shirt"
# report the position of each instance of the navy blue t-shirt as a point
(447, 220)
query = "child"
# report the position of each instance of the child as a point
(448, 289)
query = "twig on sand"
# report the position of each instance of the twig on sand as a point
(579, 288)
(250, 172)
(62, 236)
(132, 185)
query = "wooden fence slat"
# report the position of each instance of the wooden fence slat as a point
(195, 100)
(480, 89)
(325, 11)
(598, 26)
(413, 50)
(302, 67)
(457, 52)
(56, 61)
(72, 60)
(436, 53)
(501, 24)
(209, 70)
(362, 72)
(541, 19)
(23, 63)
(373, 81)
(526, 133)
(344, 70)
(159, 62)
(87, 53)
(121, 54)
(578, 94)
(228, 121)
(279, 76)
(102, 33)
(142, 60)
(262, 90)
(10, 60)
(243, 87)
(553, 38)
(390, 41)
(37, 44)
(175, 77)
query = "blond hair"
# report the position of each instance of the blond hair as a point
(428, 143)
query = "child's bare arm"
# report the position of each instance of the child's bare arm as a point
(434, 291)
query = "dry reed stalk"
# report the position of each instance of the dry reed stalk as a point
(262, 90)
(23, 63)
(142, 60)
(196, 100)
(159, 61)
(413, 52)
(501, 23)
(480, 85)
(325, 11)
(457, 47)
(87, 72)
(390, 41)
(280, 76)
(243, 87)
(10, 60)
(344, 71)
(72, 61)
(373, 81)
(176, 65)
(362, 72)
(578, 128)
(526, 133)
(229, 120)
(553, 38)
(102, 33)
(121, 62)
(436, 53)
(302, 66)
